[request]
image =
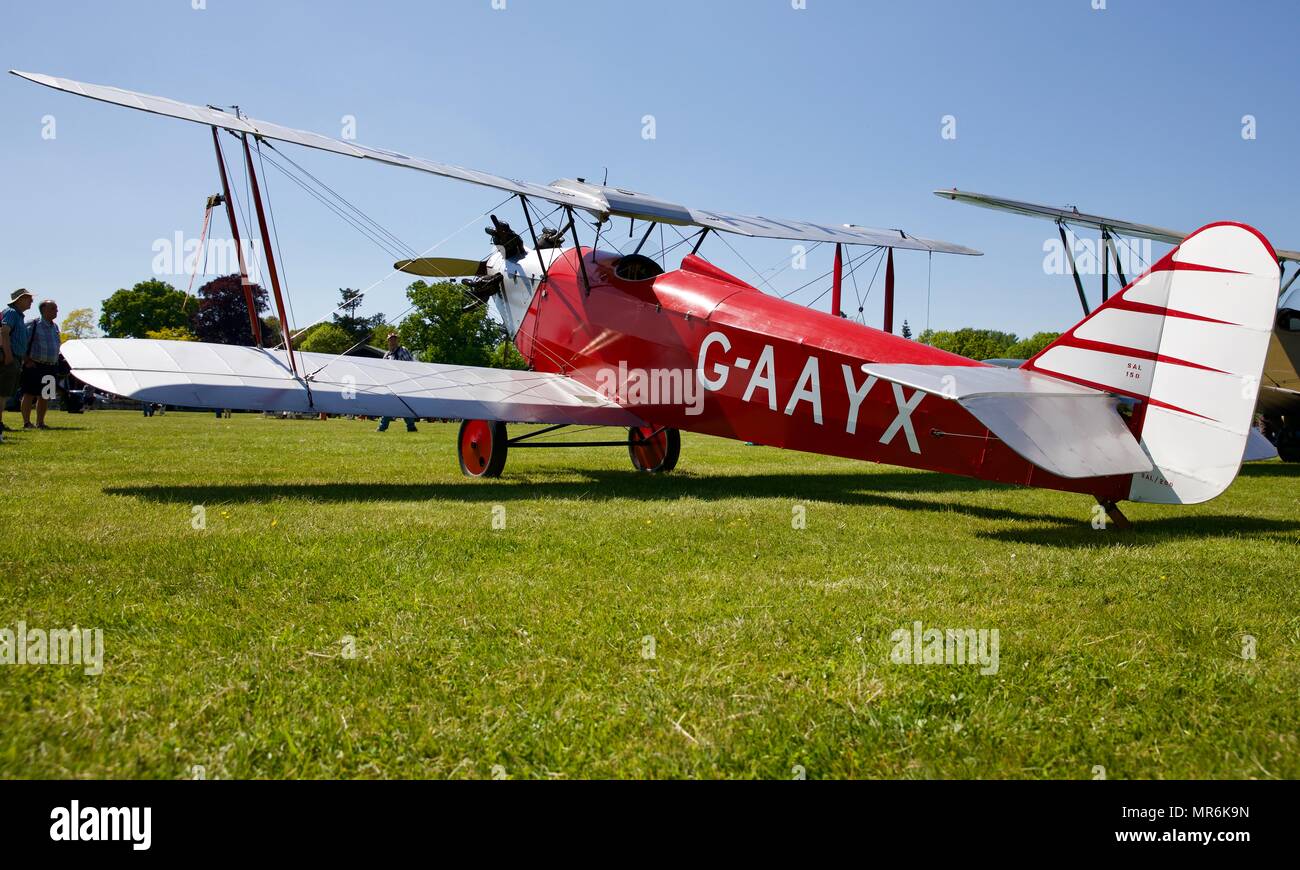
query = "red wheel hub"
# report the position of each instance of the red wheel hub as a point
(651, 447)
(476, 446)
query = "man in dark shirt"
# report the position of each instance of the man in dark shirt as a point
(397, 352)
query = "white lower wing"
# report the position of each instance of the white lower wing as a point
(1069, 430)
(196, 374)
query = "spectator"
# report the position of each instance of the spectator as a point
(397, 352)
(13, 348)
(41, 365)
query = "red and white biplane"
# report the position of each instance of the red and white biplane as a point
(1148, 399)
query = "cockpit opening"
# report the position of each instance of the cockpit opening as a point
(637, 267)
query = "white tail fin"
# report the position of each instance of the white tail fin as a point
(1188, 341)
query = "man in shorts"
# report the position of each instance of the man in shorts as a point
(41, 367)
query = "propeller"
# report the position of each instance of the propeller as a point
(511, 245)
(442, 267)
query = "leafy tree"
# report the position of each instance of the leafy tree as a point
(148, 305)
(171, 333)
(972, 343)
(443, 329)
(507, 356)
(907, 330)
(80, 323)
(303, 334)
(360, 328)
(379, 335)
(271, 335)
(222, 317)
(1030, 347)
(327, 338)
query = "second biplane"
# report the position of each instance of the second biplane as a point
(1279, 394)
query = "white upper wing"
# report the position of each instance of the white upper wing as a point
(226, 120)
(196, 374)
(600, 200)
(1078, 218)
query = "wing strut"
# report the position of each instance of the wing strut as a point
(253, 322)
(1119, 264)
(641, 244)
(837, 284)
(270, 256)
(889, 292)
(577, 249)
(699, 241)
(1074, 269)
(1290, 281)
(1105, 265)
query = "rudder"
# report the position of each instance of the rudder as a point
(1187, 341)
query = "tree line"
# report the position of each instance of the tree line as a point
(442, 326)
(987, 343)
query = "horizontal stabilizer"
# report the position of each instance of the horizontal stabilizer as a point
(200, 375)
(1066, 429)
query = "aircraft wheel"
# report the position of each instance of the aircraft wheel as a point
(654, 452)
(1287, 441)
(482, 448)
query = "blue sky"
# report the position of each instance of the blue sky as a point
(829, 113)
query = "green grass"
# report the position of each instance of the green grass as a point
(521, 650)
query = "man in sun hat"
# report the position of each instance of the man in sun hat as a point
(13, 347)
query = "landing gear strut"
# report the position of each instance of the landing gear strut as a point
(483, 444)
(1117, 518)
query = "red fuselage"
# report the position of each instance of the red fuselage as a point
(772, 372)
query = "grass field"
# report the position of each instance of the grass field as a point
(621, 625)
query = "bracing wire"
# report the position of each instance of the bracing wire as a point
(375, 239)
(361, 294)
(757, 275)
(929, 287)
(378, 227)
(867, 253)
